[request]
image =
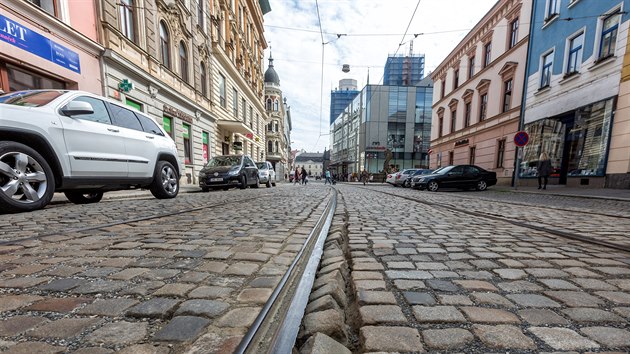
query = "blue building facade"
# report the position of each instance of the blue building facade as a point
(339, 100)
(404, 70)
(576, 55)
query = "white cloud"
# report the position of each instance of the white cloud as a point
(370, 31)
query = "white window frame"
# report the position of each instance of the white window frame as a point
(580, 52)
(551, 53)
(552, 9)
(600, 28)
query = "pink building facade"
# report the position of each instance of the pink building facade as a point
(50, 46)
(478, 90)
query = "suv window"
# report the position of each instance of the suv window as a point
(149, 126)
(249, 162)
(125, 118)
(30, 98)
(100, 114)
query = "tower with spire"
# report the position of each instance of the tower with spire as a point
(278, 124)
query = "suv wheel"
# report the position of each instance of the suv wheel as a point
(79, 197)
(165, 181)
(243, 182)
(26, 181)
(257, 184)
(268, 184)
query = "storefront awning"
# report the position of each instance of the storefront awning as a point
(235, 127)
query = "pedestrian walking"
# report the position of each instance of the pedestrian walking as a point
(544, 170)
(296, 176)
(364, 176)
(328, 177)
(304, 175)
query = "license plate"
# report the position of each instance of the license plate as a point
(216, 179)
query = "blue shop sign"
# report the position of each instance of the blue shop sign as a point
(33, 42)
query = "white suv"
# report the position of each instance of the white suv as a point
(80, 144)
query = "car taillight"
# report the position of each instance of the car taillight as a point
(398, 177)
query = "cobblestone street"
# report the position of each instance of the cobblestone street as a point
(407, 276)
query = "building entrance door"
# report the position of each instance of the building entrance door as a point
(225, 149)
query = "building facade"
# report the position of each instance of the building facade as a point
(385, 127)
(28, 32)
(477, 103)
(278, 124)
(342, 97)
(195, 67)
(313, 163)
(573, 105)
(403, 70)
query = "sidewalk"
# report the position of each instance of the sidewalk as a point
(596, 193)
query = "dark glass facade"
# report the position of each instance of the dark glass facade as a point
(403, 70)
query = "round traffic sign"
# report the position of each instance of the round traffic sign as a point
(521, 138)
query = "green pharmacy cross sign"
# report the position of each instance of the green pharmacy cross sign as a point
(125, 86)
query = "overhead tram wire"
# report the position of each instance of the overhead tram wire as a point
(321, 83)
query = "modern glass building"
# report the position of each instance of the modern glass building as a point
(383, 121)
(341, 97)
(404, 70)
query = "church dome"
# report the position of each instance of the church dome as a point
(271, 76)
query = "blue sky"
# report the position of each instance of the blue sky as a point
(359, 33)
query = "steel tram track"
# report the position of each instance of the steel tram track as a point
(563, 234)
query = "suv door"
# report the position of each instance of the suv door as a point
(139, 145)
(95, 146)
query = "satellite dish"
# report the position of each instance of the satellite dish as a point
(346, 68)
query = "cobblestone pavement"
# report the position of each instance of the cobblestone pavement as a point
(190, 282)
(426, 278)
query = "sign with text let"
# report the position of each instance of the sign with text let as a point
(24, 38)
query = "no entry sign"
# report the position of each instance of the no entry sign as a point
(521, 139)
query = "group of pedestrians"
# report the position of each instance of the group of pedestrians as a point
(300, 176)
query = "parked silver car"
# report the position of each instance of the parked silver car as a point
(266, 174)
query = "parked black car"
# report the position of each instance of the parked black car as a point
(416, 175)
(458, 176)
(229, 171)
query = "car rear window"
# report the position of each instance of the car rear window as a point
(30, 98)
(261, 165)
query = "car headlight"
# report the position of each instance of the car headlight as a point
(421, 179)
(233, 172)
(202, 174)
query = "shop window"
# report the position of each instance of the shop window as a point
(513, 33)
(134, 104)
(126, 18)
(20, 79)
(49, 6)
(187, 144)
(222, 99)
(165, 43)
(205, 146)
(500, 152)
(183, 61)
(167, 124)
(608, 37)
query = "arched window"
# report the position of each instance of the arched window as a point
(275, 105)
(204, 79)
(269, 104)
(127, 19)
(183, 61)
(165, 43)
(270, 146)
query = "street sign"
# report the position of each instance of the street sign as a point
(521, 138)
(430, 151)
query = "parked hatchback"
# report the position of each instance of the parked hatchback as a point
(266, 174)
(80, 144)
(228, 171)
(458, 176)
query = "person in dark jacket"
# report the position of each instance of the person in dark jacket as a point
(304, 175)
(544, 170)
